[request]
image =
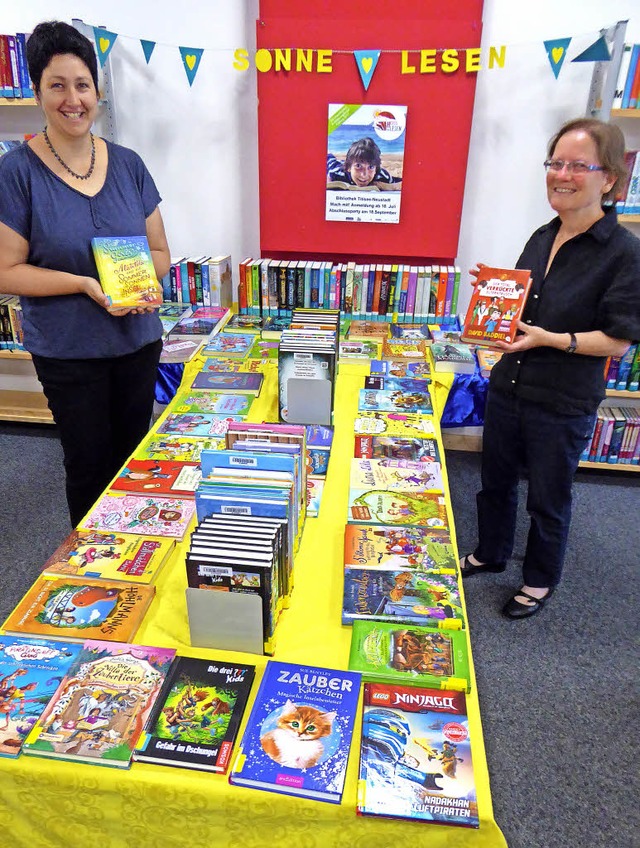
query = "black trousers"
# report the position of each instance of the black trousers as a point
(517, 434)
(102, 408)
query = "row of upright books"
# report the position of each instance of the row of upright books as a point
(375, 292)
(14, 73)
(615, 437)
(627, 90)
(628, 199)
(199, 280)
(11, 334)
(622, 373)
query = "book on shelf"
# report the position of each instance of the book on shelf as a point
(496, 305)
(211, 402)
(410, 654)
(121, 512)
(109, 556)
(376, 546)
(195, 719)
(66, 607)
(100, 707)
(404, 508)
(30, 670)
(126, 272)
(163, 477)
(299, 731)
(455, 357)
(415, 756)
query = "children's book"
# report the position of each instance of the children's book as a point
(455, 357)
(418, 369)
(397, 384)
(497, 302)
(487, 358)
(411, 655)
(410, 331)
(251, 324)
(30, 670)
(398, 548)
(415, 756)
(404, 349)
(202, 321)
(299, 732)
(81, 608)
(109, 556)
(227, 382)
(364, 330)
(385, 506)
(123, 513)
(406, 424)
(388, 400)
(146, 476)
(398, 475)
(196, 717)
(418, 597)
(315, 488)
(212, 402)
(196, 424)
(126, 272)
(264, 349)
(231, 366)
(229, 345)
(397, 447)
(179, 348)
(176, 448)
(99, 709)
(361, 350)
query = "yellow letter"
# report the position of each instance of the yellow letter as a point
(241, 57)
(427, 61)
(324, 62)
(263, 60)
(283, 59)
(450, 61)
(473, 59)
(497, 58)
(406, 67)
(304, 59)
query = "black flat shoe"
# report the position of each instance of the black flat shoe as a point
(515, 610)
(467, 569)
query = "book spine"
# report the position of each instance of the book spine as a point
(348, 291)
(448, 299)
(396, 282)
(633, 382)
(255, 288)
(442, 291)
(13, 64)
(628, 85)
(165, 282)
(402, 304)
(197, 274)
(371, 278)
(622, 77)
(624, 368)
(263, 271)
(6, 80)
(607, 431)
(25, 80)
(456, 291)
(184, 282)
(616, 436)
(210, 285)
(300, 284)
(411, 292)
(272, 275)
(595, 437)
(357, 291)
(308, 272)
(385, 282)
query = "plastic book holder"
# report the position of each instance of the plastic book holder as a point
(225, 620)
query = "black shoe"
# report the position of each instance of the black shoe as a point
(515, 610)
(467, 569)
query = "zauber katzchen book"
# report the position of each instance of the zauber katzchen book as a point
(299, 732)
(126, 271)
(196, 717)
(415, 756)
(496, 305)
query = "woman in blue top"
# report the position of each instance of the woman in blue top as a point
(58, 191)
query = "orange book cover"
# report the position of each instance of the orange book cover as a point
(443, 276)
(375, 305)
(496, 305)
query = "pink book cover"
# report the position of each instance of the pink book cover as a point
(142, 514)
(411, 291)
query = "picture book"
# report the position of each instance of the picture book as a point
(411, 655)
(385, 506)
(123, 513)
(497, 302)
(99, 709)
(229, 345)
(455, 357)
(176, 448)
(417, 369)
(80, 608)
(264, 349)
(30, 670)
(487, 358)
(251, 324)
(418, 597)
(109, 556)
(401, 548)
(212, 402)
(315, 488)
(364, 330)
(404, 349)
(397, 384)
(406, 424)
(415, 756)
(299, 732)
(232, 366)
(196, 424)
(398, 475)
(359, 349)
(126, 272)
(397, 447)
(196, 717)
(202, 321)
(165, 477)
(227, 382)
(179, 348)
(410, 331)
(388, 400)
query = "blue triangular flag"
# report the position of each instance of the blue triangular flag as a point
(556, 51)
(366, 60)
(104, 42)
(147, 48)
(191, 60)
(597, 52)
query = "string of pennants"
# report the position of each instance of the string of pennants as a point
(366, 60)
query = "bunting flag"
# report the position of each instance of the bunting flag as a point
(191, 60)
(597, 52)
(104, 42)
(366, 60)
(147, 48)
(557, 52)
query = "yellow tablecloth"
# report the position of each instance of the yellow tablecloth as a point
(51, 804)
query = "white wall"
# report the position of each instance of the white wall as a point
(201, 143)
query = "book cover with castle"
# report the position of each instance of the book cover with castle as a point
(126, 272)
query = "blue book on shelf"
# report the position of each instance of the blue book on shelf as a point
(298, 735)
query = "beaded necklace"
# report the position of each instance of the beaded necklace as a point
(64, 164)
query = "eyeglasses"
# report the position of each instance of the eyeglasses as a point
(572, 167)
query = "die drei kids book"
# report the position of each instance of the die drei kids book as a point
(99, 709)
(299, 732)
(30, 670)
(497, 301)
(415, 756)
(196, 717)
(126, 271)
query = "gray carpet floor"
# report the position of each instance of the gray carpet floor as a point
(558, 693)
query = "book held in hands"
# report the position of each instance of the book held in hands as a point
(497, 302)
(126, 272)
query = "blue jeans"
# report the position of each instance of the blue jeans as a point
(521, 433)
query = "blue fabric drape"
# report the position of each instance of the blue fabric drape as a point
(466, 401)
(168, 380)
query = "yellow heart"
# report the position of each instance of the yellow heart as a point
(104, 45)
(556, 54)
(366, 65)
(190, 61)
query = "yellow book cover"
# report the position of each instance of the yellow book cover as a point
(81, 608)
(126, 272)
(109, 556)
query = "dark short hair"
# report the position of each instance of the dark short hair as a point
(363, 150)
(55, 38)
(609, 142)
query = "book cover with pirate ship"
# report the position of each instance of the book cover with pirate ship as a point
(126, 272)
(497, 302)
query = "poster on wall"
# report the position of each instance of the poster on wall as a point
(365, 157)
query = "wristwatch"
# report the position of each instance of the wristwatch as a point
(573, 344)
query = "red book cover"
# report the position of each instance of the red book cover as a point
(496, 305)
(376, 290)
(242, 287)
(164, 477)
